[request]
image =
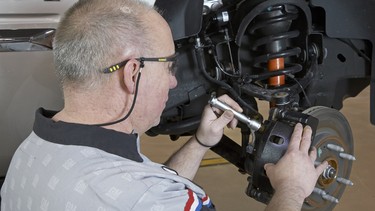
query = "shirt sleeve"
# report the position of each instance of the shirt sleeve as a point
(169, 195)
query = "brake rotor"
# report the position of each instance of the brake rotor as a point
(334, 143)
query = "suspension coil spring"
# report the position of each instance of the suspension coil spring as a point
(271, 39)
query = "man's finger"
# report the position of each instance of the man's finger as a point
(306, 139)
(224, 119)
(268, 166)
(320, 168)
(313, 154)
(295, 140)
(232, 124)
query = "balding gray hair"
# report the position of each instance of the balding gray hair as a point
(95, 34)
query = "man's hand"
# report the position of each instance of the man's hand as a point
(214, 120)
(294, 176)
(186, 160)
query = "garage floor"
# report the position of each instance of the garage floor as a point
(226, 186)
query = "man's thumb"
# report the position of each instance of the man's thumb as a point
(268, 166)
(228, 115)
(225, 118)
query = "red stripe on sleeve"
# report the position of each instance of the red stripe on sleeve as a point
(189, 201)
(205, 198)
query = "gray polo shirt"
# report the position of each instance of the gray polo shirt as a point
(71, 167)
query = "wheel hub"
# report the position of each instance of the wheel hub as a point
(334, 144)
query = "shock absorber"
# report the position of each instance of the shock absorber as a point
(272, 33)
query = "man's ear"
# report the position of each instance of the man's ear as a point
(130, 72)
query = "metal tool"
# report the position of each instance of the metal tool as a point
(252, 124)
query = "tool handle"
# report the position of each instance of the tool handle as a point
(252, 124)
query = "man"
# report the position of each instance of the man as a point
(86, 156)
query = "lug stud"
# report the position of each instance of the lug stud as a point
(330, 198)
(344, 181)
(335, 147)
(346, 156)
(325, 195)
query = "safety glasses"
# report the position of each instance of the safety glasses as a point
(172, 67)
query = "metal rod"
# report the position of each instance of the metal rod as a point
(252, 124)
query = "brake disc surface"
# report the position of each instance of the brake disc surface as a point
(334, 143)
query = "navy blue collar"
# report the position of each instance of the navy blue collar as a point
(111, 141)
